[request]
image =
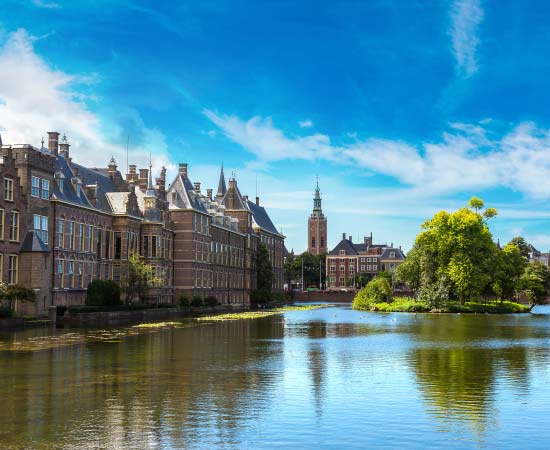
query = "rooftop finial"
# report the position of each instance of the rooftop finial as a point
(150, 185)
(42, 141)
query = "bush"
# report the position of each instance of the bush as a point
(260, 296)
(196, 301)
(5, 312)
(103, 293)
(376, 291)
(211, 301)
(183, 301)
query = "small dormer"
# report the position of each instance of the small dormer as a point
(59, 177)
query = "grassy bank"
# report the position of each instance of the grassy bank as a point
(411, 305)
(260, 314)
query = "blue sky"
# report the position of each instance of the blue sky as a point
(402, 108)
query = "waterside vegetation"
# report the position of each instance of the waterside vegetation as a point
(260, 314)
(455, 266)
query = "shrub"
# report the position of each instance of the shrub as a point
(260, 296)
(196, 301)
(211, 301)
(376, 291)
(5, 312)
(183, 301)
(103, 293)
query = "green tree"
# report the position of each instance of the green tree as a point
(103, 293)
(376, 291)
(522, 244)
(410, 271)
(141, 276)
(535, 283)
(17, 292)
(509, 266)
(313, 266)
(264, 269)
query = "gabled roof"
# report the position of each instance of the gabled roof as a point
(33, 243)
(261, 218)
(186, 197)
(399, 255)
(65, 179)
(104, 183)
(344, 244)
(233, 199)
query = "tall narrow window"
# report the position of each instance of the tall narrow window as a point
(99, 243)
(89, 234)
(118, 245)
(12, 269)
(71, 235)
(1, 224)
(41, 227)
(35, 186)
(8, 189)
(14, 226)
(154, 246)
(45, 189)
(146, 246)
(81, 237)
(108, 244)
(60, 229)
(60, 273)
(1, 266)
(70, 272)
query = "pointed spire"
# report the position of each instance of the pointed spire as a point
(317, 199)
(222, 189)
(150, 184)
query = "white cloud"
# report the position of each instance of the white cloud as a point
(466, 16)
(464, 159)
(305, 123)
(34, 99)
(45, 4)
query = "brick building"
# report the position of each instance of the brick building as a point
(317, 227)
(63, 225)
(348, 259)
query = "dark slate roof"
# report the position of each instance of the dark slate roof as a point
(69, 191)
(33, 243)
(399, 255)
(101, 178)
(365, 247)
(222, 189)
(346, 245)
(262, 218)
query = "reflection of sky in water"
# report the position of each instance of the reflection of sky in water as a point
(332, 378)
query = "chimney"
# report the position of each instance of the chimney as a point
(257, 200)
(64, 147)
(132, 176)
(391, 245)
(53, 142)
(197, 187)
(209, 193)
(183, 169)
(344, 236)
(112, 168)
(350, 238)
(143, 178)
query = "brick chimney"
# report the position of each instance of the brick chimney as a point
(143, 178)
(350, 238)
(197, 187)
(257, 200)
(132, 176)
(209, 193)
(53, 142)
(344, 236)
(182, 170)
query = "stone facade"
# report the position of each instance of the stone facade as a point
(75, 224)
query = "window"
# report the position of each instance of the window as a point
(332, 269)
(45, 189)
(322, 241)
(362, 259)
(118, 244)
(99, 244)
(12, 269)
(89, 235)
(108, 244)
(341, 281)
(1, 224)
(362, 268)
(70, 271)
(8, 189)
(41, 227)
(60, 273)
(342, 252)
(368, 259)
(392, 254)
(146, 246)
(80, 283)
(60, 226)
(155, 244)
(71, 235)
(81, 237)
(14, 226)
(342, 268)
(313, 242)
(35, 186)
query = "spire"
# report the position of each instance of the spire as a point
(317, 200)
(150, 184)
(222, 189)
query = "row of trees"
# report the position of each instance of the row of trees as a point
(313, 269)
(454, 258)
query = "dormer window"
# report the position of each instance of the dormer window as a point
(342, 252)
(174, 196)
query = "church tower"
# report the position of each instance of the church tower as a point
(317, 227)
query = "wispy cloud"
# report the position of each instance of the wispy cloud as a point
(45, 4)
(305, 123)
(35, 98)
(466, 16)
(464, 159)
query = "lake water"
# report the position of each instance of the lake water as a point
(325, 379)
